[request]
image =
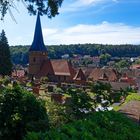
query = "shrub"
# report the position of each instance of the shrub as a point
(80, 105)
(56, 114)
(99, 126)
(20, 112)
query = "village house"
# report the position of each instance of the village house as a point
(104, 74)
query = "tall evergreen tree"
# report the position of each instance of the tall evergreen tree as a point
(5, 58)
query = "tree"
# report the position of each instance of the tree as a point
(56, 114)
(44, 80)
(104, 58)
(5, 58)
(80, 105)
(19, 54)
(122, 64)
(20, 112)
(102, 94)
(46, 7)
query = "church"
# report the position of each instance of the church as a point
(56, 70)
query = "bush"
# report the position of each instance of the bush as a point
(80, 105)
(56, 114)
(102, 94)
(44, 80)
(20, 112)
(99, 126)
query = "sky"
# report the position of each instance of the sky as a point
(79, 21)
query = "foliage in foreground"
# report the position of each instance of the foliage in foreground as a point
(56, 114)
(45, 7)
(99, 126)
(20, 112)
(80, 104)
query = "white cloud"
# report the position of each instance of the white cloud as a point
(81, 4)
(48, 32)
(105, 33)
(87, 2)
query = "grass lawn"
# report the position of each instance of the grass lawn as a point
(130, 97)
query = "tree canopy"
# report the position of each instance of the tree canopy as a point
(5, 58)
(45, 7)
(20, 112)
(19, 54)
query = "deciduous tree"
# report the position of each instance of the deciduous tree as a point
(20, 112)
(46, 7)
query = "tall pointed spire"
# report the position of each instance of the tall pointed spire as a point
(38, 43)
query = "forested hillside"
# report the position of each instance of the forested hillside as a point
(20, 53)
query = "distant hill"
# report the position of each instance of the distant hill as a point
(19, 54)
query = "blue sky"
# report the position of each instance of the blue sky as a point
(79, 21)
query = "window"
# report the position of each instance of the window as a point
(64, 78)
(34, 59)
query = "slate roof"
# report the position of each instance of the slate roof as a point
(38, 43)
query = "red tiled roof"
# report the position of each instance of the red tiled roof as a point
(80, 75)
(103, 77)
(97, 73)
(62, 67)
(46, 68)
(131, 73)
(56, 67)
(129, 80)
(87, 71)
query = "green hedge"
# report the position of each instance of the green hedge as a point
(99, 126)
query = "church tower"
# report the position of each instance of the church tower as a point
(37, 52)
